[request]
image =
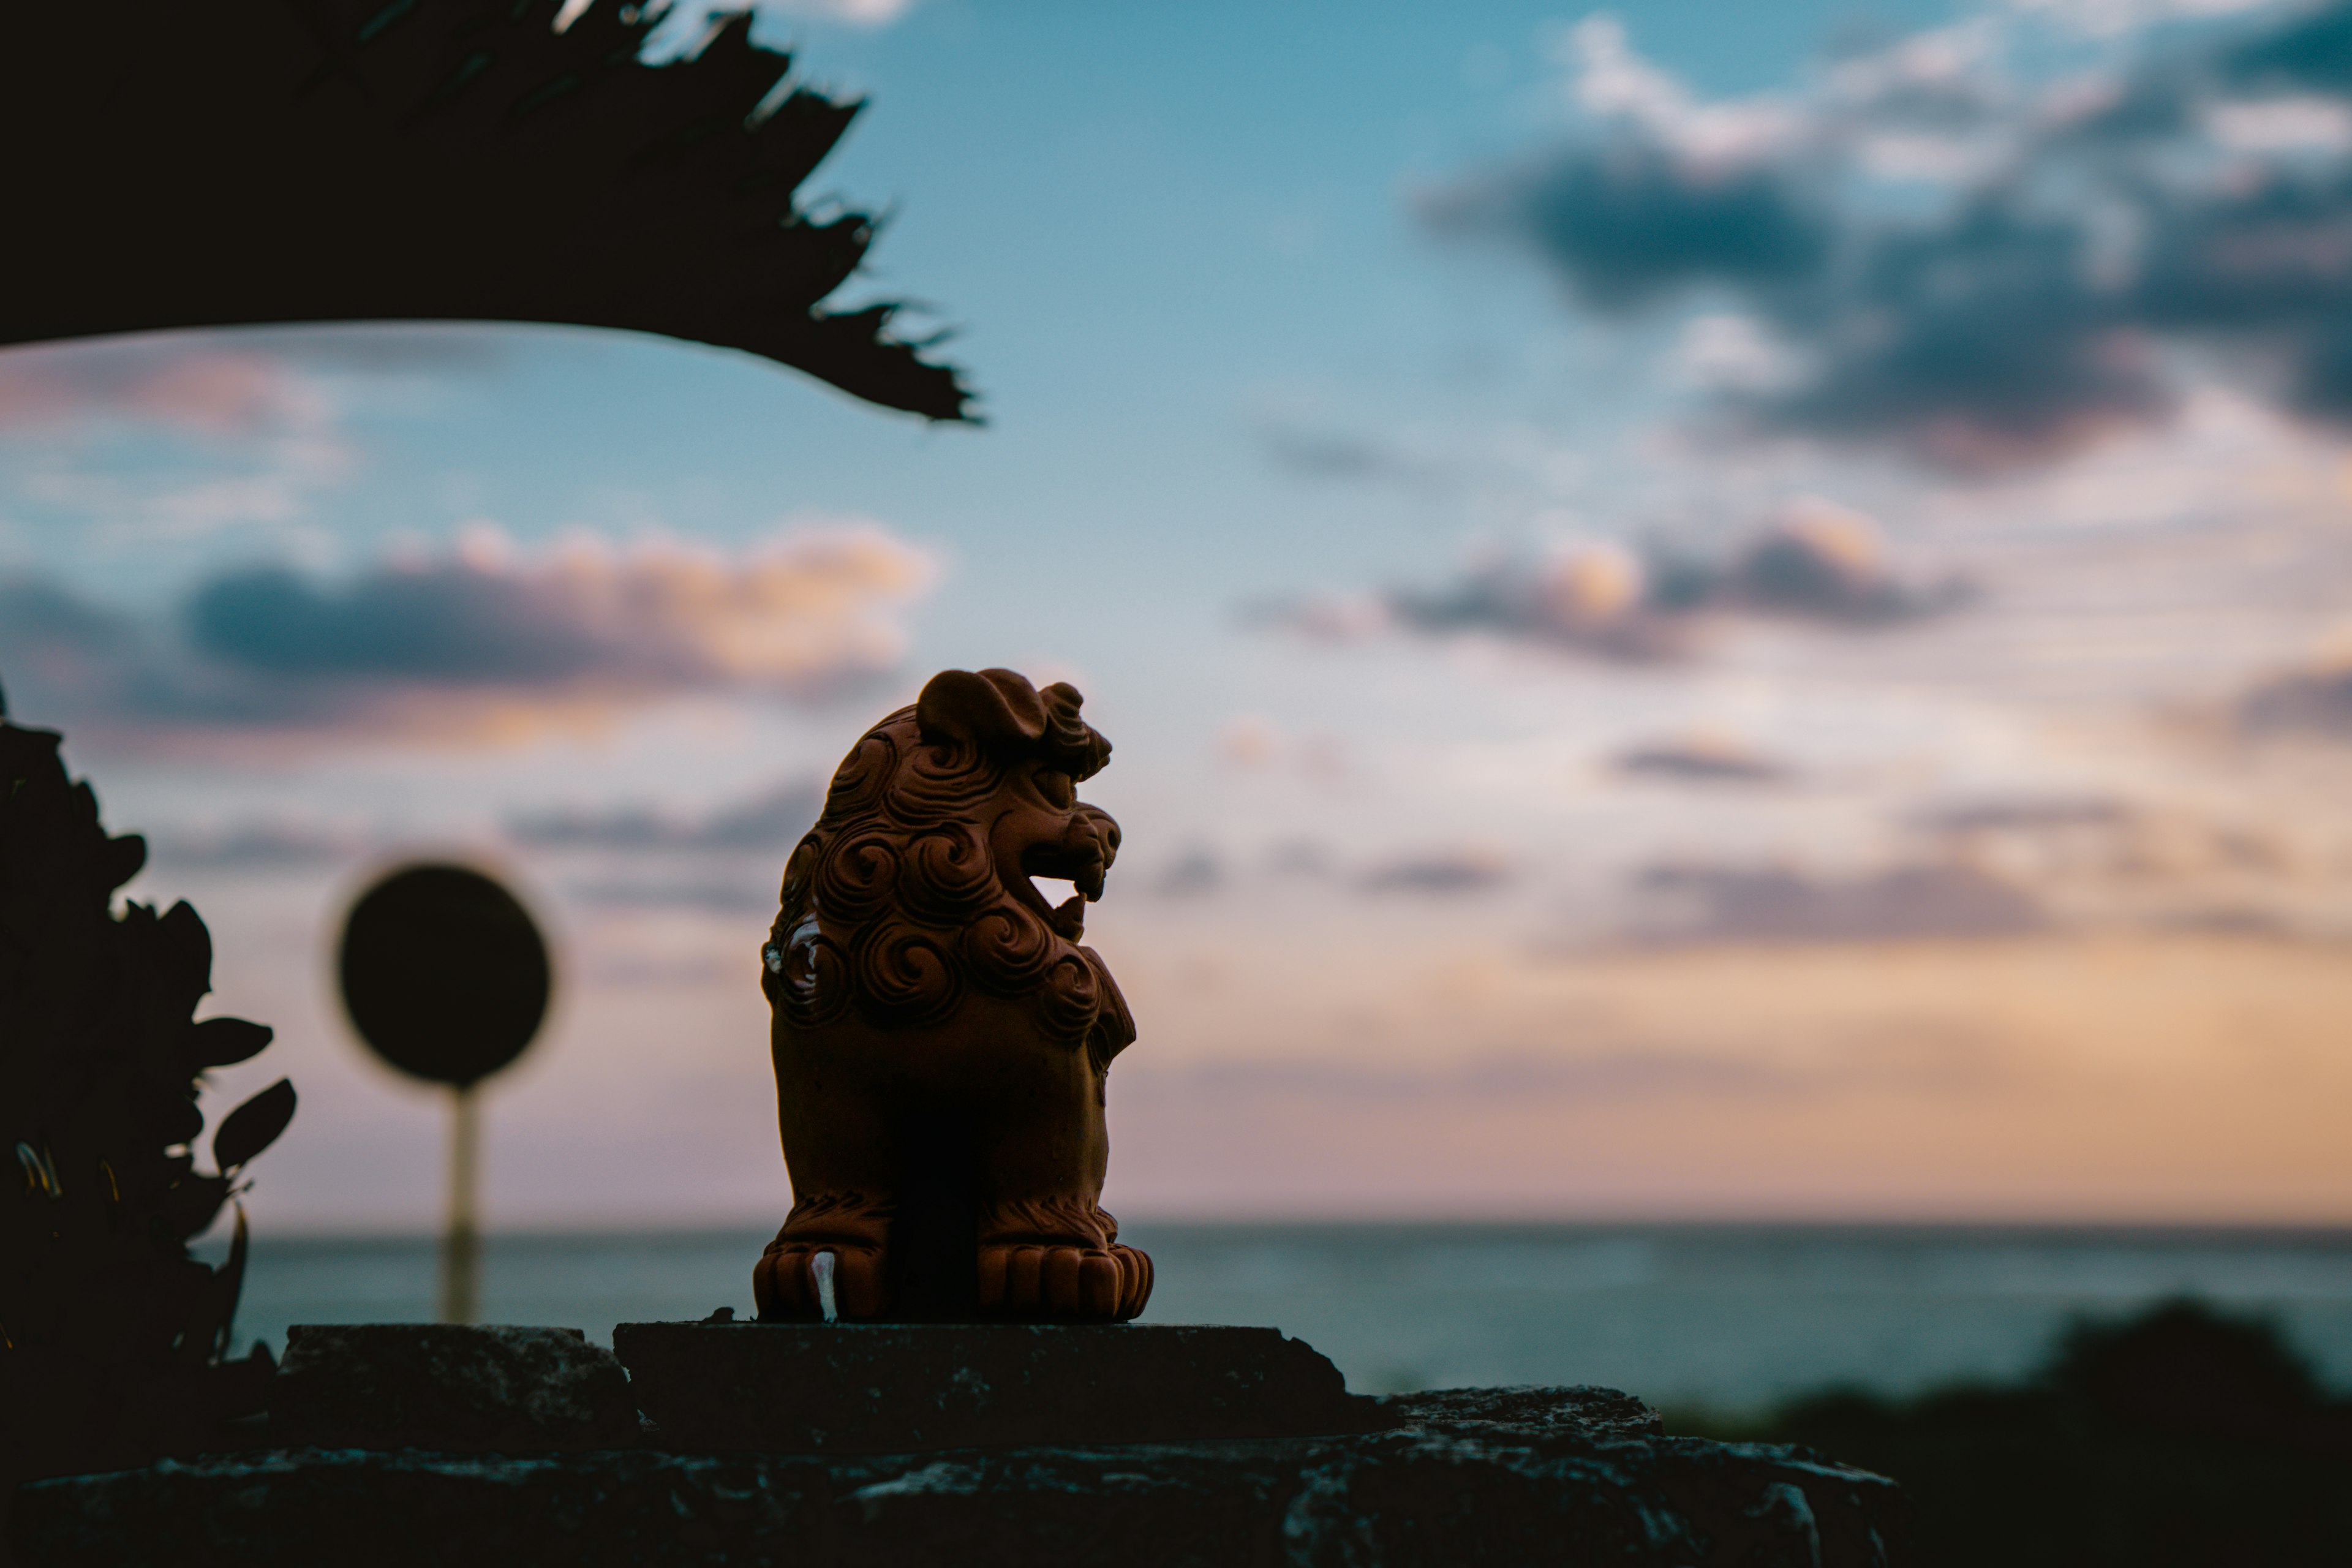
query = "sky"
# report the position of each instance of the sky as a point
(1706, 611)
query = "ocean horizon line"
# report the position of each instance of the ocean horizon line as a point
(2052, 1231)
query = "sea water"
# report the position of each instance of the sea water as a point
(1731, 1318)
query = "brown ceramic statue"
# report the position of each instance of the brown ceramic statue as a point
(940, 1038)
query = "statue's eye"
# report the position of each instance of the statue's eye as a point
(1057, 787)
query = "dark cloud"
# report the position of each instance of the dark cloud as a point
(424, 348)
(1980, 343)
(223, 383)
(701, 895)
(2227, 920)
(63, 658)
(2201, 196)
(1817, 562)
(1193, 872)
(446, 625)
(775, 819)
(1628, 224)
(2025, 814)
(1300, 857)
(2094, 862)
(51, 634)
(1595, 600)
(1704, 903)
(2315, 702)
(1702, 760)
(2312, 52)
(198, 386)
(452, 644)
(1497, 1079)
(1440, 871)
(1919, 1056)
(1333, 455)
(255, 846)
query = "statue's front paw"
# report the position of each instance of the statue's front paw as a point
(1025, 1279)
(790, 1283)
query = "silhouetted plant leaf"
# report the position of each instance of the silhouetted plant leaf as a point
(253, 1126)
(204, 1335)
(184, 929)
(223, 1042)
(190, 1203)
(177, 1120)
(121, 858)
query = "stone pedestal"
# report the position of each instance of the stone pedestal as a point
(901, 1388)
(457, 1388)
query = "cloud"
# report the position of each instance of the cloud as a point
(1193, 872)
(1666, 1069)
(2110, 18)
(1629, 225)
(2312, 702)
(774, 819)
(699, 895)
(2096, 862)
(658, 617)
(180, 434)
(1318, 454)
(385, 349)
(1707, 903)
(470, 642)
(255, 846)
(1456, 870)
(67, 654)
(1965, 263)
(194, 386)
(1816, 562)
(1309, 857)
(222, 385)
(248, 433)
(862, 14)
(1703, 759)
(2024, 814)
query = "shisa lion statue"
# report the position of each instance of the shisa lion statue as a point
(924, 992)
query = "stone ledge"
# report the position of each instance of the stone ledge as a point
(1522, 1411)
(1413, 1496)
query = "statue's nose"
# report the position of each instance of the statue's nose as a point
(1092, 831)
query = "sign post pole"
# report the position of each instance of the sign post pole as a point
(447, 979)
(461, 1241)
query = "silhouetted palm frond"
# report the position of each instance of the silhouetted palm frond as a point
(170, 164)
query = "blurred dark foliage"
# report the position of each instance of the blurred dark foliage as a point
(113, 1341)
(2180, 1439)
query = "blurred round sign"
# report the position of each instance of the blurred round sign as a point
(444, 974)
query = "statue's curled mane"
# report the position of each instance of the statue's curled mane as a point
(895, 904)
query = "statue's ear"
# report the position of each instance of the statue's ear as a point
(993, 708)
(1070, 741)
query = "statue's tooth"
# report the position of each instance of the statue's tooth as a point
(820, 1268)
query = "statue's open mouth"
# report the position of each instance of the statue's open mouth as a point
(1078, 859)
